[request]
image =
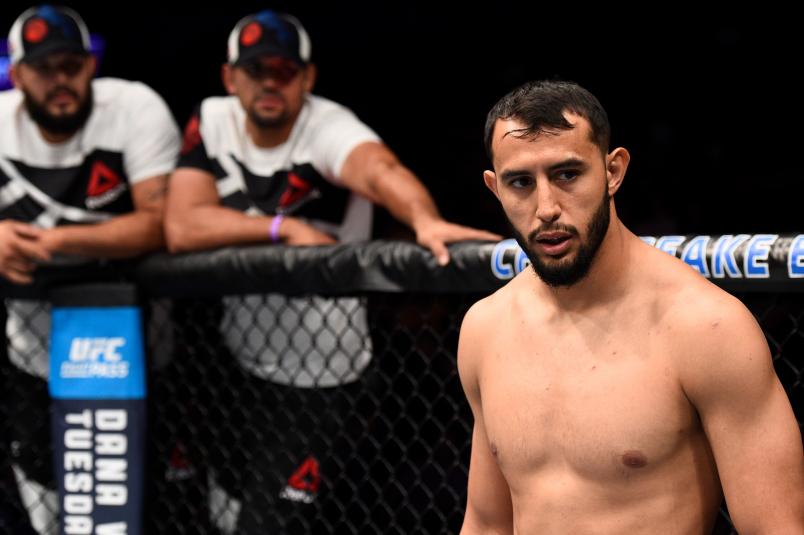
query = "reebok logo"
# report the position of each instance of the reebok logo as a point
(303, 484)
(297, 191)
(179, 467)
(104, 186)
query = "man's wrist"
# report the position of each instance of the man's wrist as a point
(276, 223)
(53, 240)
(423, 218)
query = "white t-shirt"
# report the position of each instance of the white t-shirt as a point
(129, 136)
(305, 342)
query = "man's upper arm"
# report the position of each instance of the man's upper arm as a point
(190, 188)
(192, 184)
(748, 420)
(337, 136)
(488, 507)
(365, 163)
(153, 142)
(149, 194)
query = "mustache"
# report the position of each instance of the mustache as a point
(61, 89)
(552, 227)
(269, 93)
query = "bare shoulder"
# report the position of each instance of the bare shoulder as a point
(706, 315)
(707, 330)
(484, 309)
(479, 322)
(485, 315)
(685, 298)
(479, 325)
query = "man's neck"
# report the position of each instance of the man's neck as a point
(53, 137)
(270, 137)
(267, 138)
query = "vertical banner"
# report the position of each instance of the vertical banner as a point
(97, 389)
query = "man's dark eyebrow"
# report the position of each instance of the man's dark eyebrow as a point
(514, 173)
(569, 162)
(563, 164)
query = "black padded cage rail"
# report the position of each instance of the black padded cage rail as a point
(238, 444)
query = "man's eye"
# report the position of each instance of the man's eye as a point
(282, 72)
(520, 182)
(70, 67)
(566, 175)
(253, 70)
(40, 66)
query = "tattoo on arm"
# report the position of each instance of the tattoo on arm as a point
(157, 193)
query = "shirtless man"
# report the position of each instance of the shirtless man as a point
(618, 391)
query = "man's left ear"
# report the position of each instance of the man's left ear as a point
(310, 73)
(14, 76)
(616, 166)
(93, 62)
(226, 78)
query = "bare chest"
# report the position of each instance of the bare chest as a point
(600, 410)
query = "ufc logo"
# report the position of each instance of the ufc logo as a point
(93, 349)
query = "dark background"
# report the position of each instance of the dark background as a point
(708, 105)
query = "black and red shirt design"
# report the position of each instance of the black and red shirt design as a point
(99, 184)
(300, 191)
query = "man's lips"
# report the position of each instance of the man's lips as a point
(269, 100)
(552, 236)
(62, 97)
(553, 243)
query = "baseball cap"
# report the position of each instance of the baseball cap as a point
(268, 33)
(45, 29)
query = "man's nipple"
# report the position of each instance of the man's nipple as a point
(634, 459)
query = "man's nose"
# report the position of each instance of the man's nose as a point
(548, 208)
(269, 85)
(60, 77)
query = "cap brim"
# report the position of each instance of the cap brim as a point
(51, 48)
(266, 51)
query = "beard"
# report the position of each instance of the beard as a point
(268, 123)
(568, 272)
(60, 124)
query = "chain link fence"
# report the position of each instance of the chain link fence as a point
(297, 414)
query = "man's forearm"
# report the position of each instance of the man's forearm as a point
(124, 236)
(207, 227)
(402, 194)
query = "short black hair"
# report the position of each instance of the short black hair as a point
(541, 104)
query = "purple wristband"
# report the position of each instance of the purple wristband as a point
(275, 223)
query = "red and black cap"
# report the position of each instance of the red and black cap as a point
(268, 33)
(45, 29)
